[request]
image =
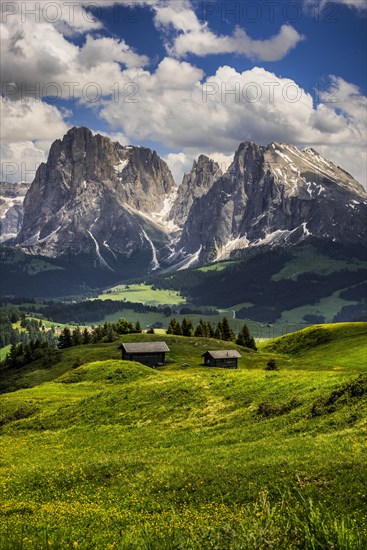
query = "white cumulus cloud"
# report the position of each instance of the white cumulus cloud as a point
(27, 132)
(205, 42)
(192, 36)
(181, 107)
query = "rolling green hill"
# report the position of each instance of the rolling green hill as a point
(342, 345)
(116, 455)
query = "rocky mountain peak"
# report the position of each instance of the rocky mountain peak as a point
(274, 195)
(96, 194)
(194, 185)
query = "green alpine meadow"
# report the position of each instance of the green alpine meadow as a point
(101, 453)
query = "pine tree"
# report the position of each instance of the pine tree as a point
(86, 336)
(98, 334)
(13, 317)
(174, 327)
(200, 331)
(178, 329)
(187, 327)
(209, 330)
(11, 358)
(240, 341)
(252, 344)
(138, 327)
(65, 339)
(227, 332)
(171, 326)
(204, 328)
(245, 339)
(218, 332)
(191, 327)
(27, 354)
(77, 337)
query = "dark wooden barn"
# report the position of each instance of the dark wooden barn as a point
(152, 354)
(227, 359)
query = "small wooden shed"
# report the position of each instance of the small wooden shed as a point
(227, 359)
(152, 354)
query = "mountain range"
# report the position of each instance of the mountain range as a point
(115, 204)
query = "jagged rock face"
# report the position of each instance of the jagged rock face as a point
(95, 193)
(278, 194)
(98, 196)
(194, 185)
(11, 209)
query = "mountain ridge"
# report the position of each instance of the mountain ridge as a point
(96, 195)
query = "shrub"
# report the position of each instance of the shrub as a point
(268, 410)
(23, 412)
(271, 365)
(78, 362)
(344, 395)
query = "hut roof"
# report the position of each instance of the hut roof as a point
(145, 347)
(224, 354)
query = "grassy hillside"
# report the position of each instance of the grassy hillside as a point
(116, 455)
(143, 294)
(337, 346)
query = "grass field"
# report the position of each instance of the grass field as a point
(217, 267)
(143, 294)
(116, 455)
(309, 260)
(327, 307)
(4, 352)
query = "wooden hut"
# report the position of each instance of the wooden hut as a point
(152, 354)
(226, 359)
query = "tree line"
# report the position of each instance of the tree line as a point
(109, 332)
(29, 330)
(21, 355)
(205, 329)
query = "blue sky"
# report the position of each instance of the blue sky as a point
(335, 36)
(160, 73)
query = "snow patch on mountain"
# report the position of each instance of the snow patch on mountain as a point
(162, 216)
(155, 264)
(49, 237)
(102, 261)
(119, 167)
(192, 260)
